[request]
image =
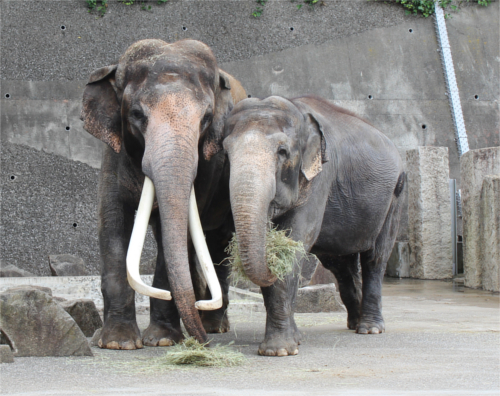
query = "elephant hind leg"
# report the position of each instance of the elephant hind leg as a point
(347, 273)
(373, 264)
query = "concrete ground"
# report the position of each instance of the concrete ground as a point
(441, 339)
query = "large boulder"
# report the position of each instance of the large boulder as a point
(11, 271)
(37, 326)
(85, 314)
(318, 298)
(67, 265)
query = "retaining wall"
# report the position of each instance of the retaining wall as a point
(346, 51)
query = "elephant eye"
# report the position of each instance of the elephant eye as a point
(283, 151)
(207, 119)
(137, 114)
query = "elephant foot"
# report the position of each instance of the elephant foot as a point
(280, 345)
(120, 335)
(161, 335)
(352, 323)
(371, 327)
(214, 322)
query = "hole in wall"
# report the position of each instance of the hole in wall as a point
(410, 30)
(291, 28)
(249, 96)
(63, 27)
(12, 177)
(476, 97)
(68, 128)
(75, 225)
(7, 96)
(184, 28)
(370, 97)
(424, 126)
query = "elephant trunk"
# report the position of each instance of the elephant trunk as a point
(252, 187)
(172, 167)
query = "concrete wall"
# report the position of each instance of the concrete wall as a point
(344, 51)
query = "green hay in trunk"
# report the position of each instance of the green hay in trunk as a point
(191, 352)
(282, 253)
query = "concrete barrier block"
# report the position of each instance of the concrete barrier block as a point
(474, 166)
(429, 213)
(489, 234)
(398, 265)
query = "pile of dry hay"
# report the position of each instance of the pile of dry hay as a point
(282, 253)
(191, 352)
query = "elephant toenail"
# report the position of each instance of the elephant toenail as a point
(128, 346)
(374, 330)
(296, 352)
(165, 342)
(99, 343)
(282, 352)
(138, 344)
(270, 352)
(112, 345)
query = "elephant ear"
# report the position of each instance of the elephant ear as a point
(314, 154)
(230, 92)
(101, 108)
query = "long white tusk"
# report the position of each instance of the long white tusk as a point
(137, 243)
(200, 245)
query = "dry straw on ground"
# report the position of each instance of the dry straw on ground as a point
(282, 253)
(191, 352)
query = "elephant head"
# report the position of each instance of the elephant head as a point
(275, 151)
(163, 106)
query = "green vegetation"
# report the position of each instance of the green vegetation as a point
(426, 7)
(102, 8)
(282, 253)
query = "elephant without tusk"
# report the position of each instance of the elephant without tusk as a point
(332, 179)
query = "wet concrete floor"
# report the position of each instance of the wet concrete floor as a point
(440, 339)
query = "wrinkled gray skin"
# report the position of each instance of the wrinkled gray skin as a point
(161, 110)
(332, 179)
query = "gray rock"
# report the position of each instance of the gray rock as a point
(398, 265)
(429, 213)
(67, 265)
(43, 289)
(318, 298)
(10, 271)
(308, 269)
(6, 355)
(85, 314)
(95, 338)
(38, 326)
(474, 166)
(322, 276)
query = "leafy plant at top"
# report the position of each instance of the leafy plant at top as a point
(426, 7)
(101, 9)
(259, 10)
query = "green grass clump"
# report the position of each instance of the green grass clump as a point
(282, 253)
(191, 352)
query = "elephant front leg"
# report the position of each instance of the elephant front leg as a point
(120, 329)
(282, 335)
(164, 321)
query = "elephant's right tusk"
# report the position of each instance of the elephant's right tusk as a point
(207, 266)
(137, 243)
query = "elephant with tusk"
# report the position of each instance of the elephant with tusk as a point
(161, 111)
(332, 179)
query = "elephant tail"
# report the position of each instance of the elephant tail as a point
(400, 184)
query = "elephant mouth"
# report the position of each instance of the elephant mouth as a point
(146, 205)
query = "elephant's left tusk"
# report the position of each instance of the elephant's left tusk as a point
(137, 242)
(200, 245)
